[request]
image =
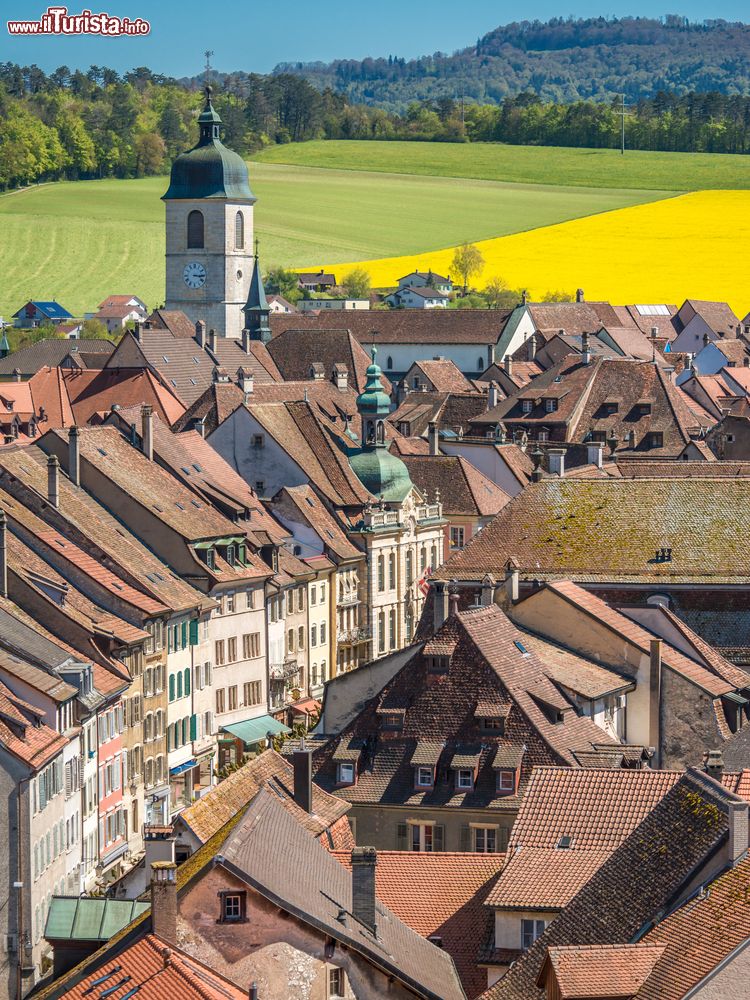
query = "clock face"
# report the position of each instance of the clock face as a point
(194, 275)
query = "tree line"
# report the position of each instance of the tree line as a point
(76, 125)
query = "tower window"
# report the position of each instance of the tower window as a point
(195, 230)
(239, 231)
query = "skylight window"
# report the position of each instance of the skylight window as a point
(115, 988)
(102, 979)
(185, 470)
(101, 451)
(520, 647)
(565, 842)
(178, 505)
(165, 359)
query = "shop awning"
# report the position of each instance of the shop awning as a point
(306, 706)
(255, 730)
(181, 768)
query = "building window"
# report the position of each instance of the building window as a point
(438, 664)
(232, 649)
(425, 777)
(392, 629)
(336, 984)
(252, 692)
(381, 632)
(391, 572)
(392, 720)
(232, 697)
(526, 405)
(530, 931)
(457, 538)
(485, 839)
(290, 641)
(219, 654)
(425, 837)
(506, 782)
(314, 635)
(250, 645)
(389, 363)
(301, 637)
(346, 774)
(195, 230)
(381, 573)
(220, 704)
(233, 907)
(239, 231)
(409, 567)
(464, 778)
(550, 405)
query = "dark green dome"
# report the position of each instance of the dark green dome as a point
(374, 400)
(210, 169)
(382, 474)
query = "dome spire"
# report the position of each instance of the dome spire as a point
(256, 310)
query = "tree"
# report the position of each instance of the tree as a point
(149, 153)
(283, 282)
(356, 283)
(496, 293)
(467, 261)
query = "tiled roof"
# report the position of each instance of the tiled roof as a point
(89, 353)
(213, 406)
(543, 878)
(49, 390)
(646, 320)
(296, 348)
(314, 887)
(443, 374)
(408, 326)
(558, 527)
(631, 888)
(464, 490)
(230, 354)
(575, 672)
(328, 529)
(268, 770)
(486, 665)
(186, 368)
(737, 782)
(92, 392)
(439, 895)
(450, 410)
(573, 317)
(159, 972)
(717, 315)
(613, 971)
(25, 734)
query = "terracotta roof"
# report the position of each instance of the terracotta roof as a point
(558, 527)
(314, 887)
(544, 878)
(654, 863)
(402, 445)
(464, 490)
(450, 410)
(317, 515)
(296, 348)
(737, 782)
(443, 375)
(575, 672)
(633, 343)
(88, 354)
(92, 392)
(232, 795)
(646, 319)
(186, 368)
(573, 317)
(213, 406)
(159, 972)
(717, 315)
(25, 734)
(49, 390)
(442, 896)
(231, 355)
(595, 971)
(408, 326)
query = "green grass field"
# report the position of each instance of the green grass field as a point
(598, 168)
(78, 242)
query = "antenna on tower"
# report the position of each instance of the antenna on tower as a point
(208, 53)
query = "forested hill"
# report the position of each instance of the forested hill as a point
(560, 60)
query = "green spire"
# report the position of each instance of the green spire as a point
(256, 308)
(4, 346)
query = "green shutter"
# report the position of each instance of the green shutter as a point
(187, 680)
(171, 687)
(193, 727)
(194, 632)
(179, 684)
(184, 635)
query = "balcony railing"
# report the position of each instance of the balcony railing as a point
(352, 636)
(428, 511)
(347, 599)
(283, 671)
(381, 518)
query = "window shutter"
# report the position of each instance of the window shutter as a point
(438, 838)
(193, 727)
(194, 632)
(184, 634)
(401, 835)
(69, 778)
(502, 839)
(187, 680)
(465, 837)
(80, 771)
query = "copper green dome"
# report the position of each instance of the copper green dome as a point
(374, 400)
(210, 169)
(382, 474)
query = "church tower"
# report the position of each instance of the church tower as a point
(256, 310)
(209, 217)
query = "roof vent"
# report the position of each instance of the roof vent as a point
(565, 842)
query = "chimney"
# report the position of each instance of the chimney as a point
(713, 764)
(212, 341)
(137, 330)
(594, 452)
(512, 580)
(738, 831)
(16, 374)
(654, 332)
(654, 729)
(302, 762)
(341, 377)
(53, 480)
(200, 333)
(199, 425)
(453, 601)
(252, 993)
(364, 861)
(434, 438)
(246, 380)
(147, 431)
(536, 457)
(585, 352)
(440, 606)
(246, 339)
(556, 457)
(488, 591)
(159, 848)
(492, 395)
(3, 554)
(508, 365)
(579, 295)
(531, 348)
(74, 456)
(164, 900)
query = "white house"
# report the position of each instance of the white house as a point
(426, 279)
(409, 297)
(309, 305)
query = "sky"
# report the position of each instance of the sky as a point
(256, 35)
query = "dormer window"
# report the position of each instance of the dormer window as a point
(550, 405)
(233, 907)
(424, 777)
(506, 782)
(464, 779)
(438, 664)
(393, 721)
(231, 555)
(655, 439)
(346, 774)
(527, 405)
(494, 724)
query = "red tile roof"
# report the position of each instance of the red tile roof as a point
(24, 734)
(590, 972)
(439, 895)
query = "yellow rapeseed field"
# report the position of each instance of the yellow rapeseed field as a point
(690, 246)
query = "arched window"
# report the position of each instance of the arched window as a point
(195, 230)
(480, 361)
(381, 632)
(389, 363)
(239, 231)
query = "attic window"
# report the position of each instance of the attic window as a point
(527, 405)
(231, 555)
(210, 559)
(233, 907)
(565, 842)
(346, 774)
(165, 359)
(310, 501)
(464, 778)
(655, 439)
(102, 451)
(258, 441)
(494, 724)
(438, 664)
(506, 782)
(424, 777)
(393, 721)
(550, 405)
(178, 505)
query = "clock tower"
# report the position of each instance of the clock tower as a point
(209, 217)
